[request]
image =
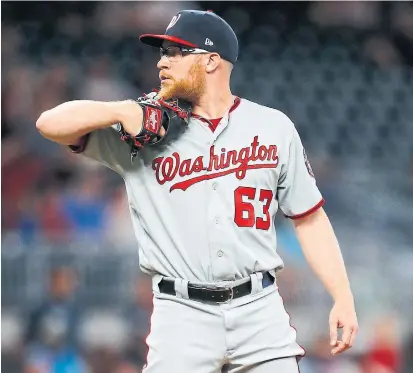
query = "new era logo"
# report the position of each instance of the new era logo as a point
(208, 42)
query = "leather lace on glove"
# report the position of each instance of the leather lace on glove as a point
(172, 115)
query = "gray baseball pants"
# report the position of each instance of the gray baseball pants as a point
(249, 334)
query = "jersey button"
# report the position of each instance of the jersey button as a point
(216, 220)
(215, 186)
(220, 253)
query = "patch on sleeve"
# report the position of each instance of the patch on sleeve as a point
(307, 164)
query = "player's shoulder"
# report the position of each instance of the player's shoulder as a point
(266, 114)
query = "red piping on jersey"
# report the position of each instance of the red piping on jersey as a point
(213, 123)
(309, 212)
(299, 357)
(79, 148)
(237, 101)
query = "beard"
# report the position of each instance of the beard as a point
(190, 89)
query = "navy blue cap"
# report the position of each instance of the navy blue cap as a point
(198, 29)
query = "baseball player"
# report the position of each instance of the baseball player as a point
(205, 173)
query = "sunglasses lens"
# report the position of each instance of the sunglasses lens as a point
(172, 53)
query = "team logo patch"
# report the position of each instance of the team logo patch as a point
(173, 21)
(307, 164)
(152, 119)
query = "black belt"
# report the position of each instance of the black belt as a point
(214, 294)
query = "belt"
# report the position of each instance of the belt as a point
(214, 294)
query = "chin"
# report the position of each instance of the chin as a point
(166, 92)
(178, 90)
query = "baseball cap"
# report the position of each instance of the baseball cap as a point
(198, 29)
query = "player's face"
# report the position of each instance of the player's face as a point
(182, 75)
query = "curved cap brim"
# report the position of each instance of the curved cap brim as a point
(157, 40)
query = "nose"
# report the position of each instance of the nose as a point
(163, 63)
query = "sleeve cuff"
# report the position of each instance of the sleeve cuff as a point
(308, 212)
(79, 148)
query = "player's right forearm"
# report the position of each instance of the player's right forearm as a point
(68, 122)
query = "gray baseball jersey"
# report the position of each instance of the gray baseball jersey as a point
(203, 207)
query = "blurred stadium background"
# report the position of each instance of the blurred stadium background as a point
(72, 295)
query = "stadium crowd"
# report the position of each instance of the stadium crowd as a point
(343, 71)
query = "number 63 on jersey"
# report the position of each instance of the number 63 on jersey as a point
(245, 213)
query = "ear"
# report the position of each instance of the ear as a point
(212, 62)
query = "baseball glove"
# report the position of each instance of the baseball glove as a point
(172, 115)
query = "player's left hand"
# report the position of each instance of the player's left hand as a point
(343, 316)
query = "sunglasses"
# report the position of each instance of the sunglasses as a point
(175, 53)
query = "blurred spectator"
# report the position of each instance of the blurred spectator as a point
(384, 355)
(360, 14)
(29, 225)
(19, 88)
(103, 337)
(53, 86)
(380, 50)
(54, 321)
(107, 360)
(20, 172)
(119, 232)
(53, 356)
(84, 208)
(51, 336)
(408, 354)
(101, 85)
(402, 21)
(55, 224)
(12, 342)
(320, 360)
(138, 316)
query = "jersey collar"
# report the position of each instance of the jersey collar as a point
(236, 103)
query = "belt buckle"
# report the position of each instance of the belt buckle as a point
(231, 295)
(220, 289)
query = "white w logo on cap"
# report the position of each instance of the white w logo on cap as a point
(173, 21)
